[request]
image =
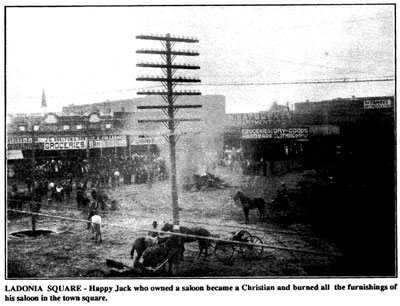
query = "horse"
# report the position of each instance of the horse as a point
(140, 245)
(195, 231)
(169, 251)
(249, 203)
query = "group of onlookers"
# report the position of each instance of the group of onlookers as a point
(105, 170)
(138, 169)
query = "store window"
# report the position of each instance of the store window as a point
(66, 127)
(79, 126)
(21, 128)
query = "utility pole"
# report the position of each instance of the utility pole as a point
(33, 206)
(169, 82)
(87, 141)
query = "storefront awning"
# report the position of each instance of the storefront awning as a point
(14, 154)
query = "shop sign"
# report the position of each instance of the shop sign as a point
(377, 103)
(11, 140)
(252, 119)
(64, 143)
(107, 141)
(23, 143)
(14, 154)
(324, 130)
(24, 146)
(146, 141)
(278, 133)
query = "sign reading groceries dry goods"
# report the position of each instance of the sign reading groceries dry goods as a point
(278, 133)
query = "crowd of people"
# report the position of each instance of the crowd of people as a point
(247, 163)
(106, 170)
(55, 180)
(234, 159)
(230, 157)
(137, 169)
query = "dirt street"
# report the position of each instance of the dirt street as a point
(293, 249)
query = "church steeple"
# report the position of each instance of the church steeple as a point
(44, 104)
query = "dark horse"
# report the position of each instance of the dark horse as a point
(168, 250)
(195, 231)
(249, 203)
(140, 245)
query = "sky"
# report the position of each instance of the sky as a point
(88, 55)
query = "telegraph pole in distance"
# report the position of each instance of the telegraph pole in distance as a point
(169, 82)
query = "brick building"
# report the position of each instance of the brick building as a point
(115, 127)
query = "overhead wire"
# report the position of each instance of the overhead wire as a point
(242, 227)
(86, 94)
(152, 218)
(295, 82)
(333, 81)
(217, 240)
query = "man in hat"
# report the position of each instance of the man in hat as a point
(152, 236)
(153, 233)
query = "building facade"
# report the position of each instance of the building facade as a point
(317, 132)
(118, 128)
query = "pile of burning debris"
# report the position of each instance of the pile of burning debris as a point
(206, 181)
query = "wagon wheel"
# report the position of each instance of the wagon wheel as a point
(243, 249)
(95, 273)
(256, 250)
(242, 236)
(224, 251)
(211, 247)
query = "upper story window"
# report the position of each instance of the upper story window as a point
(94, 118)
(108, 126)
(66, 127)
(21, 128)
(36, 128)
(79, 126)
(50, 119)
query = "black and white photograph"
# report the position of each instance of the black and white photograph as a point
(200, 142)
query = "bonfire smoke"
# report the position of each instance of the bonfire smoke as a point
(195, 155)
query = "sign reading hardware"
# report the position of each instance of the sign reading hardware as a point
(279, 133)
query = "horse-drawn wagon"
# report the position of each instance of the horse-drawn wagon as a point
(242, 242)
